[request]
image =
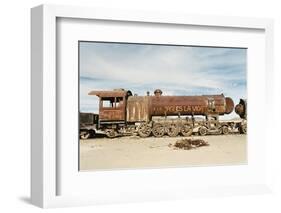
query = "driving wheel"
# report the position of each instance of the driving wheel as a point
(172, 130)
(158, 130)
(186, 130)
(144, 130)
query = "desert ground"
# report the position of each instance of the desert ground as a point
(133, 152)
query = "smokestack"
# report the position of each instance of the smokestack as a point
(158, 92)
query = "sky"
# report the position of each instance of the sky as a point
(176, 70)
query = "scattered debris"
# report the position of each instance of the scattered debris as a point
(189, 143)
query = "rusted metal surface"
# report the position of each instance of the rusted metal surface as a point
(112, 114)
(112, 105)
(142, 108)
(113, 93)
(138, 108)
(229, 105)
(120, 113)
(190, 105)
(158, 92)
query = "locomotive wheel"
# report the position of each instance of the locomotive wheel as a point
(243, 129)
(158, 130)
(186, 130)
(225, 130)
(111, 133)
(85, 135)
(203, 130)
(172, 130)
(144, 130)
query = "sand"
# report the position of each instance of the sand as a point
(134, 152)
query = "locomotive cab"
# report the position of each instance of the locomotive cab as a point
(112, 105)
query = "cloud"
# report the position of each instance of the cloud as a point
(177, 70)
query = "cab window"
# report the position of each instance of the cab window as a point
(112, 102)
(119, 101)
(107, 102)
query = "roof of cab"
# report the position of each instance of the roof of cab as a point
(110, 93)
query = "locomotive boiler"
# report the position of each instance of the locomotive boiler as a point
(158, 105)
(122, 113)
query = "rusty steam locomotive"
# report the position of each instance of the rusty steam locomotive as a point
(121, 113)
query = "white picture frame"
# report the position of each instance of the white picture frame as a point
(44, 150)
